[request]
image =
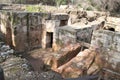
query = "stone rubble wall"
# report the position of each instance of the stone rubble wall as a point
(85, 17)
(85, 34)
(64, 36)
(70, 34)
(27, 30)
(5, 28)
(102, 57)
(51, 25)
(107, 42)
(113, 22)
(17, 68)
(24, 29)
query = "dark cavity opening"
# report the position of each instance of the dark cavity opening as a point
(49, 39)
(63, 22)
(111, 29)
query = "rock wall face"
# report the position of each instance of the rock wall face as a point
(5, 27)
(27, 30)
(84, 34)
(108, 43)
(19, 31)
(50, 29)
(35, 29)
(65, 36)
(72, 34)
(23, 30)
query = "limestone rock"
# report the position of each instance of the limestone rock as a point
(63, 6)
(91, 16)
(5, 52)
(106, 42)
(79, 65)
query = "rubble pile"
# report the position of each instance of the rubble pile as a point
(17, 68)
(14, 67)
(5, 51)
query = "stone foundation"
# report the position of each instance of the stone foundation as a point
(25, 30)
(75, 33)
(107, 42)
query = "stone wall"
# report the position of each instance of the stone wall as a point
(72, 34)
(5, 28)
(107, 42)
(64, 36)
(26, 30)
(50, 26)
(56, 20)
(22, 30)
(84, 34)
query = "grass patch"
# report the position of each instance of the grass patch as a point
(34, 8)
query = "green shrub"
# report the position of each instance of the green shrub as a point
(31, 8)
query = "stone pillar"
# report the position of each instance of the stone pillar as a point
(51, 26)
(1, 74)
(44, 37)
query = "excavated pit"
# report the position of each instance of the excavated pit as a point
(73, 50)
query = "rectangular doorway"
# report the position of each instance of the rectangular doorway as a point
(49, 39)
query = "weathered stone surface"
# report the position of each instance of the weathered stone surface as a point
(94, 77)
(63, 56)
(59, 16)
(5, 52)
(51, 25)
(107, 42)
(65, 36)
(48, 34)
(112, 22)
(5, 27)
(74, 16)
(74, 33)
(84, 34)
(1, 74)
(63, 6)
(79, 65)
(68, 53)
(91, 16)
(85, 17)
(23, 30)
(16, 68)
(26, 30)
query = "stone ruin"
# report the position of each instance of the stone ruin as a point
(25, 31)
(84, 42)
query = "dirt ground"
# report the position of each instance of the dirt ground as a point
(36, 58)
